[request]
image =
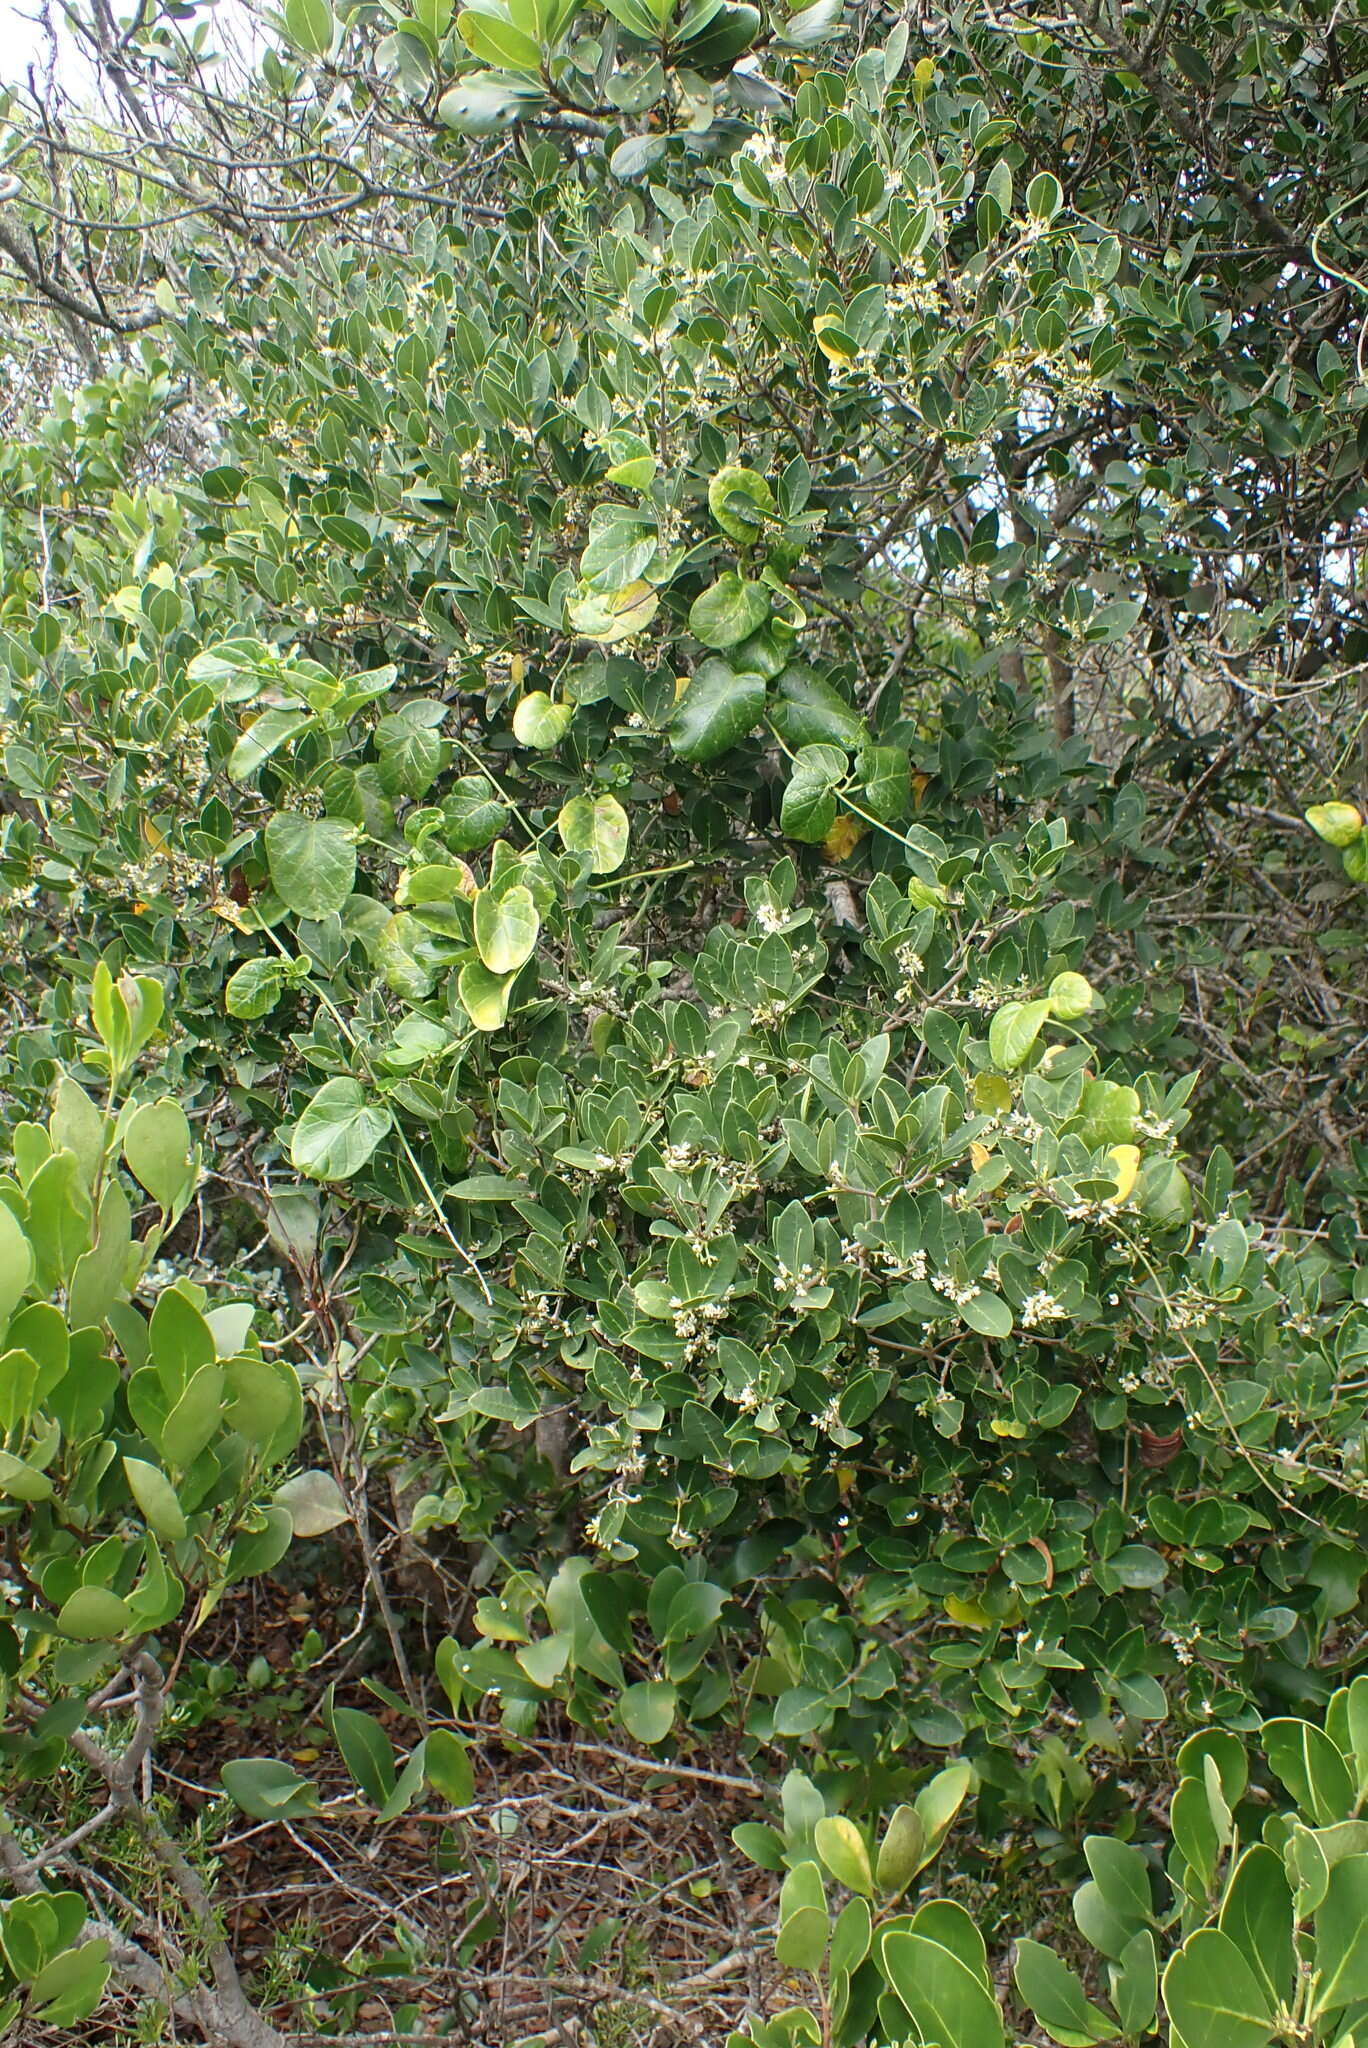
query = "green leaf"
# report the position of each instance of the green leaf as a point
(1013, 1031)
(1122, 1876)
(448, 1769)
(1056, 1997)
(472, 814)
(312, 862)
(759, 1844)
(411, 757)
(156, 1497)
(407, 1786)
(21, 1481)
(808, 711)
(537, 722)
(729, 611)
(1341, 1955)
(1212, 1996)
(633, 463)
(739, 498)
(398, 949)
(487, 102)
(842, 1848)
(494, 40)
(338, 1131)
(193, 1419)
(1135, 1983)
(808, 810)
(1337, 824)
(76, 1125)
(310, 26)
(812, 25)
(597, 828)
(947, 2000)
(70, 1987)
(1071, 996)
(268, 1789)
(367, 1752)
(1256, 1913)
(16, 1263)
(159, 1151)
(484, 996)
(987, 1313)
(94, 1614)
(314, 1502)
(647, 1710)
(254, 989)
(938, 1803)
(1311, 1767)
(728, 33)
(1044, 197)
(506, 927)
(901, 1852)
(804, 1927)
(715, 713)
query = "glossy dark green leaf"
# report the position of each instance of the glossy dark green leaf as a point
(716, 712)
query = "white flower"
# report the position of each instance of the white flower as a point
(1040, 1308)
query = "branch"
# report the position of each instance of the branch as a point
(76, 309)
(224, 2015)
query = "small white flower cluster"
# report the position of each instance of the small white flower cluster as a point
(680, 1158)
(1038, 1308)
(913, 967)
(1017, 1124)
(1147, 1126)
(913, 1267)
(593, 1528)
(771, 919)
(959, 1292)
(769, 1013)
(612, 1162)
(1187, 1307)
(974, 582)
(920, 293)
(696, 1325)
(762, 149)
(829, 1421)
(542, 1322)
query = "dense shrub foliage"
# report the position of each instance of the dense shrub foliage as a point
(682, 742)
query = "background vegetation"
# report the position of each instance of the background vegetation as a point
(683, 716)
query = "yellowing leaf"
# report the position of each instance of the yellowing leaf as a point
(1126, 1159)
(835, 349)
(967, 1613)
(979, 1156)
(844, 836)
